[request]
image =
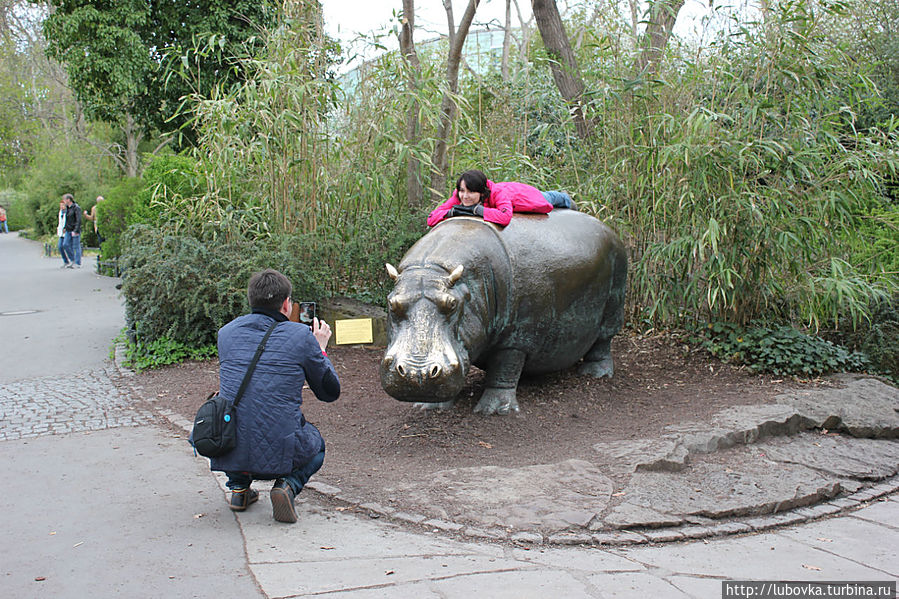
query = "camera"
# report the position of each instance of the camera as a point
(307, 313)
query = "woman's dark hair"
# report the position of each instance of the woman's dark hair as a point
(475, 180)
(268, 289)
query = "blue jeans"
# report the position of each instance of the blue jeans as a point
(559, 199)
(73, 247)
(63, 252)
(296, 479)
(3, 223)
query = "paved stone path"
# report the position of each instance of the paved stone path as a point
(56, 405)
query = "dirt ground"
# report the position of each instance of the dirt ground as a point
(375, 442)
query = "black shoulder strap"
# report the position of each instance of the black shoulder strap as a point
(246, 377)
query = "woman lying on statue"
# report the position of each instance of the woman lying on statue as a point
(475, 195)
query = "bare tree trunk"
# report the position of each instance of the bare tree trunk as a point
(525, 35)
(448, 104)
(635, 21)
(507, 42)
(414, 184)
(133, 137)
(662, 16)
(563, 64)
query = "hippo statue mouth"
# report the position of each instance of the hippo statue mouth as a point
(422, 380)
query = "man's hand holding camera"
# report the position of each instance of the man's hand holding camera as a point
(322, 332)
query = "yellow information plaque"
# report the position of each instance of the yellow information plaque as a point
(353, 331)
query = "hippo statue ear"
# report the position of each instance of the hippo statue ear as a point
(456, 275)
(392, 271)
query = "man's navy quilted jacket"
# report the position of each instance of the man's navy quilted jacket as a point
(273, 437)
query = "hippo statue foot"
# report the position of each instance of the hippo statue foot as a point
(598, 369)
(497, 401)
(437, 405)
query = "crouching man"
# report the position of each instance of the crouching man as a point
(274, 441)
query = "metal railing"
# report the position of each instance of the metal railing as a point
(109, 268)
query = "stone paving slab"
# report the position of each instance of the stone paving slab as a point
(122, 512)
(637, 584)
(753, 557)
(830, 536)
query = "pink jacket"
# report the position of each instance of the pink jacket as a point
(504, 199)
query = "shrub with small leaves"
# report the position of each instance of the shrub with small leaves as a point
(781, 350)
(164, 351)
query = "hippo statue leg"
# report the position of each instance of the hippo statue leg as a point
(598, 361)
(503, 371)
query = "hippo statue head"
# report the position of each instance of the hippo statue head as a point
(425, 360)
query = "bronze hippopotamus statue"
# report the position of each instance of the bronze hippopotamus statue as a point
(535, 296)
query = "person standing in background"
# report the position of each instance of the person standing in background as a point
(92, 216)
(73, 229)
(61, 233)
(3, 227)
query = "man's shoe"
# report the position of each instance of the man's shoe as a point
(242, 498)
(70, 265)
(65, 265)
(282, 502)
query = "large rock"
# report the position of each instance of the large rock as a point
(744, 482)
(862, 459)
(545, 497)
(864, 407)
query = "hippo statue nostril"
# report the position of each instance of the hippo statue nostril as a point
(434, 372)
(401, 370)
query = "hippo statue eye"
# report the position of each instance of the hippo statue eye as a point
(447, 303)
(397, 307)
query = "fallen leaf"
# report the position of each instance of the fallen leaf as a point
(728, 470)
(199, 515)
(815, 568)
(825, 540)
(40, 578)
(388, 572)
(78, 544)
(341, 509)
(326, 548)
(618, 494)
(52, 532)
(483, 444)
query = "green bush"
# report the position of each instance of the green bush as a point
(181, 289)
(781, 350)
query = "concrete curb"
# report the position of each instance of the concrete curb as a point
(611, 538)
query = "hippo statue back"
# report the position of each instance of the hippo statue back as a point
(535, 296)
